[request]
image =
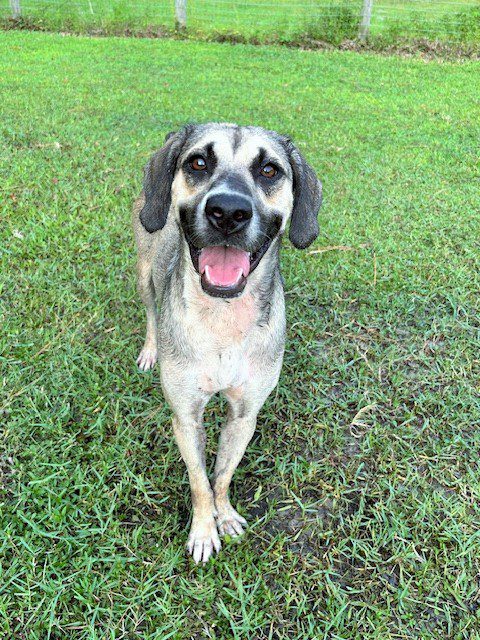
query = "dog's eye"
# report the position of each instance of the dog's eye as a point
(198, 163)
(269, 171)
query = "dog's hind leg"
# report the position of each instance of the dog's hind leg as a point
(149, 353)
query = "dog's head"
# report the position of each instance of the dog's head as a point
(233, 190)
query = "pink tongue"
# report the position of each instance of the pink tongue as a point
(223, 266)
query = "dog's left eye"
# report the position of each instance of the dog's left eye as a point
(198, 163)
(269, 171)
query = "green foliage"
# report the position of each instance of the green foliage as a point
(338, 23)
(462, 26)
(361, 486)
(465, 24)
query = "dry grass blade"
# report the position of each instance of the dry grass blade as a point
(339, 247)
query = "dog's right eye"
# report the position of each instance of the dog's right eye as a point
(198, 163)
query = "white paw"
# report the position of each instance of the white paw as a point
(203, 539)
(230, 522)
(147, 358)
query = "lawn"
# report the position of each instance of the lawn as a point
(362, 484)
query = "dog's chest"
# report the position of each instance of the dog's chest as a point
(225, 329)
(227, 322)
(226, 369)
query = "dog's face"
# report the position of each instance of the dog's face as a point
(233, 190)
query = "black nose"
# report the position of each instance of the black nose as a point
(228, 212)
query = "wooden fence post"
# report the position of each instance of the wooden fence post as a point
(366, 19)
(180, 14)
(16, 9)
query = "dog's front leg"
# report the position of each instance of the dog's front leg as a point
(190, 436)
(148, 355)
(234, 438)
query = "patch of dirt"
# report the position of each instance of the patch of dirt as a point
(300, 526)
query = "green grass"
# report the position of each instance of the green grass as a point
(332, 21)
(362, 485)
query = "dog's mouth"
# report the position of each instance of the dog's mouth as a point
(224, 269)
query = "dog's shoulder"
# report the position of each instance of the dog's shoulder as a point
(137, 207)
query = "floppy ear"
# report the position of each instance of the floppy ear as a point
(157, 183)
(307, 199)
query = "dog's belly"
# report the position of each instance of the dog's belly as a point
(228, 369)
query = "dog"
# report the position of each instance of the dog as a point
(208, 226)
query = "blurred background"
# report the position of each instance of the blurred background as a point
(293, 21)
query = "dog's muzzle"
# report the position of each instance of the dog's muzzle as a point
(223, 264)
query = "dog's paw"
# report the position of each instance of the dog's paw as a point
(229, 522)
(147, 358)
(203, 539)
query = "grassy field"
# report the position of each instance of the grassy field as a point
(285, 20)
(362, 484)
